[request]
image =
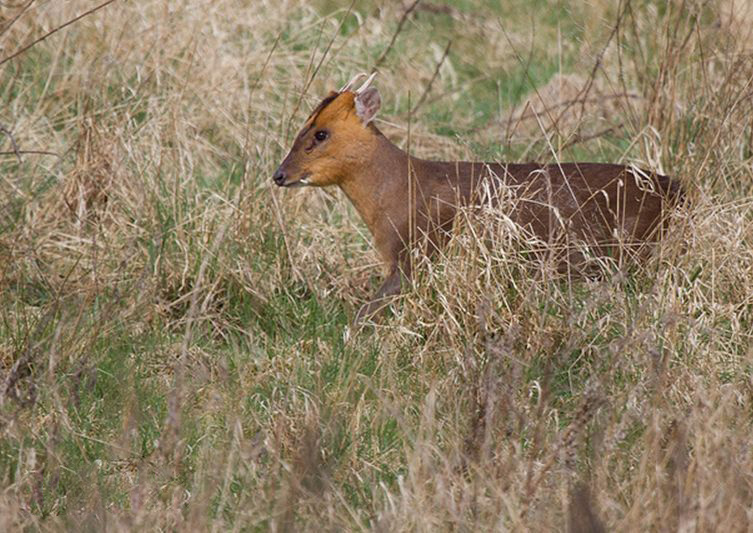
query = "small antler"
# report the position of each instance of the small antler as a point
(366, 84)
(352, 82)
(358, 77)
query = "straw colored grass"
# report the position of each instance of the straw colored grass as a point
(175, 336)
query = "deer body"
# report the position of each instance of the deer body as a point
(405, 200)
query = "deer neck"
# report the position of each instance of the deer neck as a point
(378, 186)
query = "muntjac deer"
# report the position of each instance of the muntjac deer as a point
(404, 199)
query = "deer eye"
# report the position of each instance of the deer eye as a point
(321, 135)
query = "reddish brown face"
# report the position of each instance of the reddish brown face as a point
(334, 140)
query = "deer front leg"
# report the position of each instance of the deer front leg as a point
(391, 287)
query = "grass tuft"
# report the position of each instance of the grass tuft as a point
(174, 331)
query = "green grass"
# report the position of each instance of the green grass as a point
(176, 335)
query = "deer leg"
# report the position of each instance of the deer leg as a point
(391, 287)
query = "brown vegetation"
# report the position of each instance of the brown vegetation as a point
(176, 355)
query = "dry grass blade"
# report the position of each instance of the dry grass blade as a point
(406, 13)
(172, 328)
(53, 31)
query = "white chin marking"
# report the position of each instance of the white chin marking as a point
(304, 181)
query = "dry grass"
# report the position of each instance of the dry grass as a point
(174, 331)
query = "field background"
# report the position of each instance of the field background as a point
(174, 330)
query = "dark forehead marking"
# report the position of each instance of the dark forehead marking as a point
(317, 111)
(324, 103)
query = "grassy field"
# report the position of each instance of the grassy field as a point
(174, 330)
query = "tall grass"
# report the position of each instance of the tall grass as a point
(174, 331)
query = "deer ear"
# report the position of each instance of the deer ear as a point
(367, 104)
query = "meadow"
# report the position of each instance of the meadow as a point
(175, 332)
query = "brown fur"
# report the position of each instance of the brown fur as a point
(612, 208)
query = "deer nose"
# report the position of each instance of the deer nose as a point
(279, 177)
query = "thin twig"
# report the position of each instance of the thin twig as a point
(435, 9)
(329, 45)
(584, 138)
(433, 78)
(526, 69)
(399, 29)
(587, 88)
(311, 79)
(13, 144)
(55, 30)
(19, 153)
(463, 87)
(567, 103)
(12, 21)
